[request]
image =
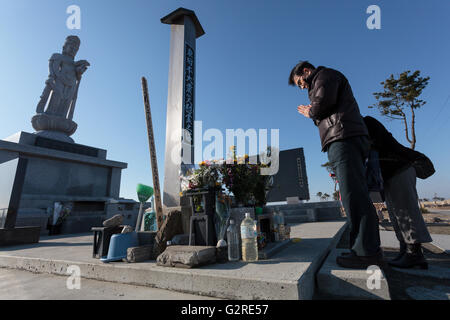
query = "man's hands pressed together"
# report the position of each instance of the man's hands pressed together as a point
(304, 110)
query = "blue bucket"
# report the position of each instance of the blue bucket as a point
(119, 244)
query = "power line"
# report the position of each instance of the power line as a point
(437, 116)
(442, 108)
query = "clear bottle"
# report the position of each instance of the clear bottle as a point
(249, 239)
(275, 218)
(233, 242)
(281, 218)
(275, 236)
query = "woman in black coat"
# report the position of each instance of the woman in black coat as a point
(399, 168)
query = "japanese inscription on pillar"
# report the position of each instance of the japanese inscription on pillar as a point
(300, 172)
(189, 84)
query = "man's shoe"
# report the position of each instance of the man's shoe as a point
(354, 261)
(346, 253)
(401, 253)
(412, 258)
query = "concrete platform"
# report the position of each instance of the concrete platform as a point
(290, 274)
(335, 282)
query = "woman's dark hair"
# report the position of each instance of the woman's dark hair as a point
(298, 70)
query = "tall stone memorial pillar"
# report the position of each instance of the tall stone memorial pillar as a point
(179, 154)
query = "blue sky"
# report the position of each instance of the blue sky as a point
(243, 62)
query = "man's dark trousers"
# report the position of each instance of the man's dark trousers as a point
(348, 157)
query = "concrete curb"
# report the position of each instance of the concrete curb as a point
(165, 278)
(290, 275)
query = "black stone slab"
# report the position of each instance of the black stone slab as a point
(291, 179)
(19, 236)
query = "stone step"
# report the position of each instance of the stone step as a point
(318, 214)
(335, 282)
(295, 213)
(422, 293)
(304, 206)
(283, 207)
(296, 219)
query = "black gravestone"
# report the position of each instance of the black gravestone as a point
(291, 179)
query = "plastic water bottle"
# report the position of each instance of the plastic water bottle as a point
(281, 217)
(276, 235)
(275, 217)
(249, 239)
(233, 242)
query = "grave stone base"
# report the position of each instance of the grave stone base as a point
(19, 236)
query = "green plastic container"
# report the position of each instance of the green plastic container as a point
(144, 192)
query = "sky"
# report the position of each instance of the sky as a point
(242, 68)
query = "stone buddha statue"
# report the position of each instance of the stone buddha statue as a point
(55, 109)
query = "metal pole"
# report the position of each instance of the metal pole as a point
(139, 219)
(153, 162)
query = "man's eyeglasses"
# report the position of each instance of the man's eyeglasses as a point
(299, 82)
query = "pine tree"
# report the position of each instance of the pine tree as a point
(401, 98)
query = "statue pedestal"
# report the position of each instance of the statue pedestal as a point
(58, 171)
(54, 127)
